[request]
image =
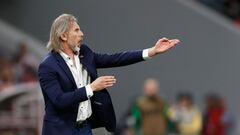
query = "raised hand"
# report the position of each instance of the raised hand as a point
(162, 46)
(103, 82)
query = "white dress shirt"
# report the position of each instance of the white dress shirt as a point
(82, 79)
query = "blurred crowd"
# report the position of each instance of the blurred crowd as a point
(16, 67)
(20, 68)
(150, 114)
(230, 8)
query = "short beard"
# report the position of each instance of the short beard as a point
(75, 49)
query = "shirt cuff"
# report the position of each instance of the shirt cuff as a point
(89, 91)
(145, 54)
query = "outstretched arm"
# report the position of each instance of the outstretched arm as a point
(131, 57)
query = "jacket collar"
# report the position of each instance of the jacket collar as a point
(83, 60)
(61, 62)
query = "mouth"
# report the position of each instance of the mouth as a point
(79, 42)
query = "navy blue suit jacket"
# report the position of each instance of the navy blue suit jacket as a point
(62, 96)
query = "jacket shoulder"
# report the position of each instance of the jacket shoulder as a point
(48, 61)
(85, 48)
(49, 58)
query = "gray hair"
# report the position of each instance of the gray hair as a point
(61, 25)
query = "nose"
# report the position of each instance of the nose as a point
(81, 33)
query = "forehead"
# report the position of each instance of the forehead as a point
(74, 25)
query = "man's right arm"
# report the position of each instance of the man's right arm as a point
(52, 89)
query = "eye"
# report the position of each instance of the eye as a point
(77, 29)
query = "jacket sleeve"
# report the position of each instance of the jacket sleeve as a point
(117, 59)
(52, 89)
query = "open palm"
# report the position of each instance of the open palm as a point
(165, 44)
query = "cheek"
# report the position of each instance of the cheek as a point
(74, 38)
(71, 39)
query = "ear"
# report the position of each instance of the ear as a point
(64, 37)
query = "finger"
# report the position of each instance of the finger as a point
(175, 41)
(108, 77)
(111, 81)
(163, 40)
(109, 85)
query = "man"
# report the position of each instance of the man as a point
(75, 97)
(150, 111)
(186, 115)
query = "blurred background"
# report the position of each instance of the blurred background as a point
(194, 88)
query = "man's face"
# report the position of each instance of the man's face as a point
(151, 88)
(185, 102)
(74, 37)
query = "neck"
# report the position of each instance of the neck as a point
(68, 51)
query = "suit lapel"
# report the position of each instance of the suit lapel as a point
(64, 67)
(87, 67)
(84, 60)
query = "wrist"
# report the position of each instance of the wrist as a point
(151, 52)
(93, 87)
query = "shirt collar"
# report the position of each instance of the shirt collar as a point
(65, 56)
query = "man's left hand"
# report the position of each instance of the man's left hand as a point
(162, 46)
